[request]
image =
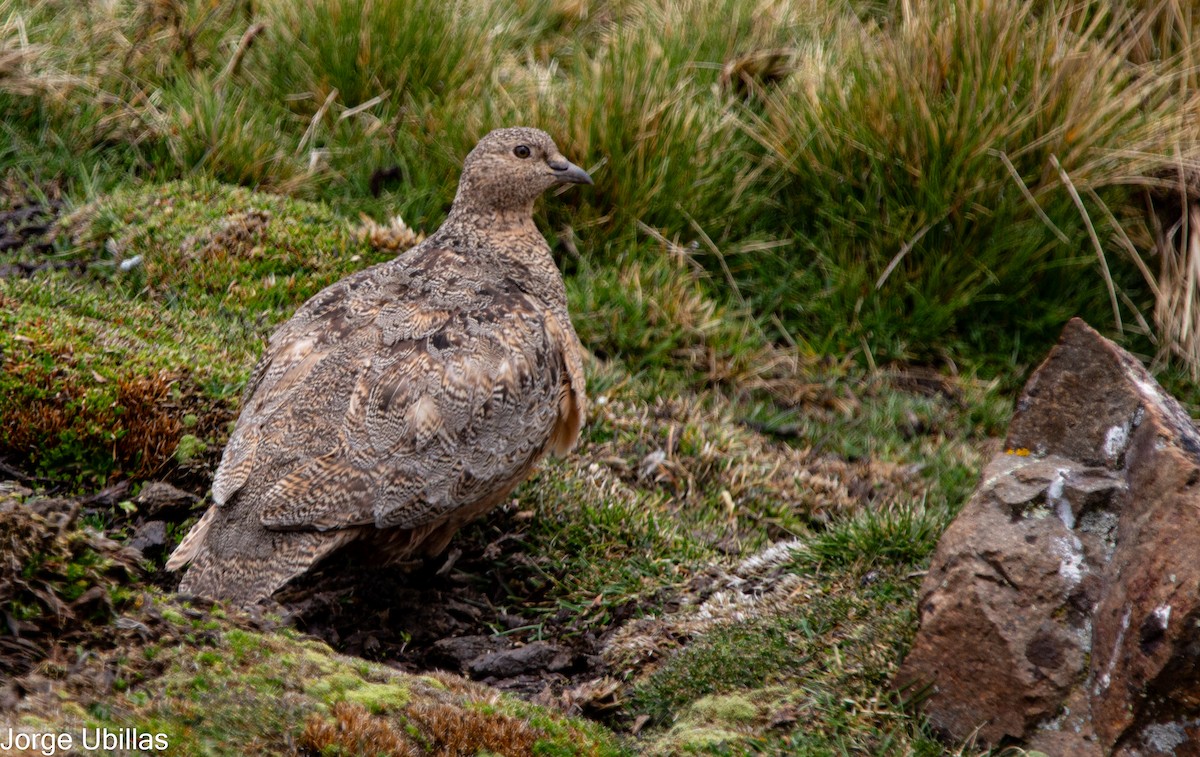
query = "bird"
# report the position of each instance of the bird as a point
(406, 399)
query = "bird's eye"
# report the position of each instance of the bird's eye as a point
(521, 151)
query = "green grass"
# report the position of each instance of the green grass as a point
(861, 182)
(694, 457)
(826, 662)
(826, 243)
(237, 687)
(899, 153)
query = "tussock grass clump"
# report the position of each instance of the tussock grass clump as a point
(972, 167)
(923, 183)
(660, 318)
(642, 105)
(363, 49)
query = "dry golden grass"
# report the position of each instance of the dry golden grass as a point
(438, 730)
(354, 730)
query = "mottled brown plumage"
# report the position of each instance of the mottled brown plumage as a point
(407, 398)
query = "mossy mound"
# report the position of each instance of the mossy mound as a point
(216, 250)
(181, 283)
(215, 682)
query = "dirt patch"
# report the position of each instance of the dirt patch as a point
(463, 613)
(68, 589)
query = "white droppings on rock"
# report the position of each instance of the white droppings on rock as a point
(1115, 441)
(1106, 677)
(1070, 556)
(1162, 616)
(1146, 387)
(1055, 498)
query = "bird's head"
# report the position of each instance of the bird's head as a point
(510, 168)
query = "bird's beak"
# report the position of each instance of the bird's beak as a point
(567, 172)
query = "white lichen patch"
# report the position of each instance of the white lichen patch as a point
(1102, 524)
(1163, 738)
(1037, 512)
(1115, 441)
(1070, 556)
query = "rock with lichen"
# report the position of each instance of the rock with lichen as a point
(1059, 607)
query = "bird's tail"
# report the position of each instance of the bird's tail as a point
(236, 559)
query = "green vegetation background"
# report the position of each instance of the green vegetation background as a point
(796, 202)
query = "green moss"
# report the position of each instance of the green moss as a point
(89, 364)
(242, 643)
(332, 687)
(732, 709)
(692, 738)
(379, 697)
(189, 447)
(216, 698)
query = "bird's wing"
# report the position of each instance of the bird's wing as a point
(304, 352)
(433, 423)
(573, 395)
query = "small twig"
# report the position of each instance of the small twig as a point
(22, 34)
(364, 106)
(1087, 220)
(867, 353)
(787, 336)
(1127, 243)
(566, 237)
(737, 292)
(900, 255)
(235, 62)
(1187, 243)
(675, 249)
(1030, 198)
(316, 119)
(1141, 319)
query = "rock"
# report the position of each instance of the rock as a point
(535, 656)
(460, 651)
(157, 496)
(1061, 606)
(150, 537)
